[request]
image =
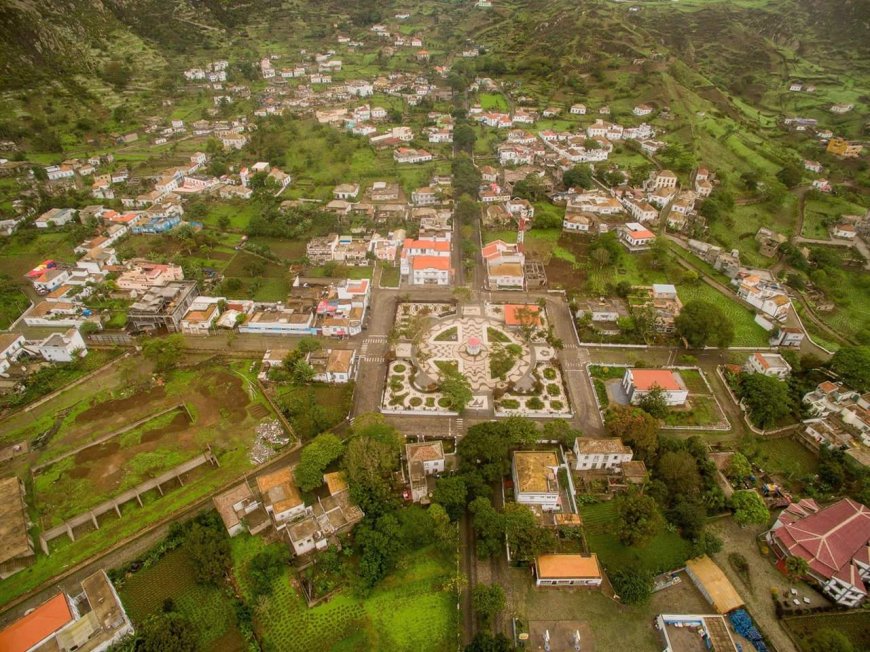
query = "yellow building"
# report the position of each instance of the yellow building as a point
(844, 148)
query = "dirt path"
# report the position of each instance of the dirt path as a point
(764, 577)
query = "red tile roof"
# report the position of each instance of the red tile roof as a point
(829, 539)
(511, 318)
(646, 379)
(36, 626)
(431, 262)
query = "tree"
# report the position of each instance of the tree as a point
(464, 137)
(654, 402)
(796, 567)
(580, 176)
(451, 494)
(308, 344)
(679, 471)
(636, 428)
(302, 373)
(167, 632)
(852, 364)
(488, 601)
(749, 508)
(523, 533)
(790, 176)
(486, 642)
(209, 549)
(701, 324)
(445, 531)
(380, 545)
(415, 526)
(488, 525)
(639, 519)
(561, 431)
(632, 585)
(315, 458)
(456, 388)
(265, 567)
(369, 462)
(164, 352)
(766, 398)
(738, 467)
(830, 640)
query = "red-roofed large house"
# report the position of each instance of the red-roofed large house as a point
(834, 541)
(637, 383)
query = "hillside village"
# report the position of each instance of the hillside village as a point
(315, 331)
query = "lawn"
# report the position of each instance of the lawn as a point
(410, 610)
(664, 552)
(493, 102)
(746, 331)
(390, 276)
(783, 456)
(13, 302)
(821, 213)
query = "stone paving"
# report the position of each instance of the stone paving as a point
(474, 367)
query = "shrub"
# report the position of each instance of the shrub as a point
(535, 403)
(553, 389)
(415, 401)
(550, 373)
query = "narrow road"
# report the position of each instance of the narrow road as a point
(468, 557)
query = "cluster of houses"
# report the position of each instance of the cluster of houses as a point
(385, 201)
(313, 307)
(275, 505)
(631, 212)
(840, 419)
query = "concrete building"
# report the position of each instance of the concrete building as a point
(768, 364)
(608, 453)
(424, 459)
(162, 307)
(92, 621)
(535, 479)
(567, 570)
(63, 347)
(637, 383)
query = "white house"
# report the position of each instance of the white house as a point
(578, 222)
(642, 110)
(578, 109)
(63, 347)
(55, 217)
(636, 237)
(424, 459)
(430, 270)
(607, 453)
(11, 347)
(768, 364)
(333, 365)
(637, 383)
(535, 479)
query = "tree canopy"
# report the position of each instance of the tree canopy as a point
(749, 508)
(852, 364)
(316, 456)
(766, 398)
(703, 324)
(636, 428)
(639, 519)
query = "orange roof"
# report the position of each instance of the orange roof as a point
(435, 245)
(512, 319)
(567, 566)
(36, 626)
(279, 490)
(640, 233)
(646, 379)
(431, 262)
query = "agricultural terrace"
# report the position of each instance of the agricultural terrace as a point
(124, 428)
(413, 609)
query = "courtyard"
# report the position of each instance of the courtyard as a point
(501, 349)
